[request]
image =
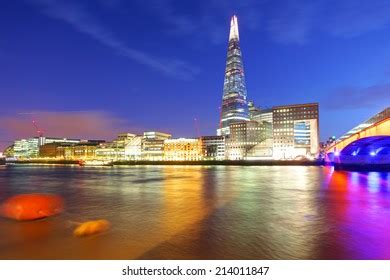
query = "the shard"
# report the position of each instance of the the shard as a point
(234, 102)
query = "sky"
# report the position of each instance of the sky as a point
(92, 69)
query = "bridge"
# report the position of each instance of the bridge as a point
(365, 144)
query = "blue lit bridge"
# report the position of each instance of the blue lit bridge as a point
(366, 144)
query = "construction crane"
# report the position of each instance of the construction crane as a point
(38, 130)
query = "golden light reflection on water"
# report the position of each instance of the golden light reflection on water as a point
(179, 211)
(187, 201)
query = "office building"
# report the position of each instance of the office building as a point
(153, 145)
(127, 146)
(213, 147)
(183, 149)
(133, 148)
(244, 140)
(29, 148)
(82, 151)
(296, 131)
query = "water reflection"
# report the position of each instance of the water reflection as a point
(201, 212)
(357, 207)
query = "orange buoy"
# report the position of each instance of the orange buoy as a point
(92, 227)
(26, 207)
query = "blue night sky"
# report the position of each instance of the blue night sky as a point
(87, 67)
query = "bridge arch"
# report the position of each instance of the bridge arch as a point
(368, 150)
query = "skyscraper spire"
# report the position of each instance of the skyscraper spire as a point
(234, 29)
(234, 103)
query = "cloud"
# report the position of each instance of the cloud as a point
(82, 21)
(357, 98)
(285, 21)
(203, 23)
(70, 124)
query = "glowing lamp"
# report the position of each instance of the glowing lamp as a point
(91, 228)
(26, 207)
(372, 153)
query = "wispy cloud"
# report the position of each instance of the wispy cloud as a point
(75, 15)
(205, 22)
(357, 98)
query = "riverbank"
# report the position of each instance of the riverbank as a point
(345, 167)
(43, 161)
(202, 162)
(225, 162)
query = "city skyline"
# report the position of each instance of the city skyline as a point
(93, 72)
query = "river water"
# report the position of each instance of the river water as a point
(202, 212)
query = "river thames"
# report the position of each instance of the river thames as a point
(202, 212)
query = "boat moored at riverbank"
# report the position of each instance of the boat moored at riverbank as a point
(95, 163)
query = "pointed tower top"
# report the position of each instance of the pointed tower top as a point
(234, 29)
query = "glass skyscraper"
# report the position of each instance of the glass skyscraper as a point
(234, 104)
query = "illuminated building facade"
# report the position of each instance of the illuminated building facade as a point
(49, 150)
(296, 131)
(213, 147)
(253, 110)
(109, 151)
(9, 152)
(183, 149)
(264, 149)
(153, 145)
(133, 148)
(126, 146)
(244, 140)
(234, 104)
(260, 115)
(77, 152)
(84, 151)
(26, 148)
(29, 148)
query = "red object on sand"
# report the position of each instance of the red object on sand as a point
(26, 207)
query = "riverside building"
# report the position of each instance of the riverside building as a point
(29, 147)
(127, 146)
(295, 131)
(213, 147)
(153, 145)
(183, 149)
(82, 151)
(245, 140)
